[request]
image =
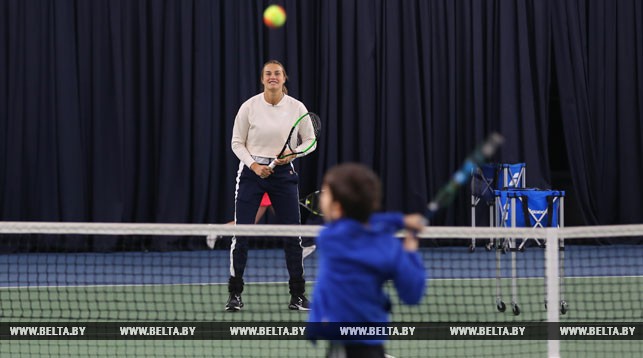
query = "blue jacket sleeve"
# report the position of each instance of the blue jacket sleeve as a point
(410, 277)
(387, 223)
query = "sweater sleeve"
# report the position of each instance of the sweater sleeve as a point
(410, 277)
(240, 136)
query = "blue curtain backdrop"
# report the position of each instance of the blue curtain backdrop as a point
(122, 110)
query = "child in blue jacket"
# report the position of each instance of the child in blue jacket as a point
(357, 254)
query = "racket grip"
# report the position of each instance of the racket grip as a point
(272, 164)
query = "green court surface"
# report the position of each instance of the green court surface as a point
(447, 300)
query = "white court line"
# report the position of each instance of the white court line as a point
(529, 278)
(142, 285)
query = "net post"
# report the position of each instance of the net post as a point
(553, 293)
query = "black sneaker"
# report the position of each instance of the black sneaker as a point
(234, 303)
(299, 303)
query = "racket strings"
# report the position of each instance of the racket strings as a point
(312, 202)
(302, 135)
(316, 123)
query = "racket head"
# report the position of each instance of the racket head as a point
(479, 156)
(309, 123)
(311, 203)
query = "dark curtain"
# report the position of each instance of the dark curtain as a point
(598, 52)
(122, 110)
(449, 72)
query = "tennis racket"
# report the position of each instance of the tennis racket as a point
(480, 155)
(448, 192)
(311, 203)
(302, 137)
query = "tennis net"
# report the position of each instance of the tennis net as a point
(579, 297)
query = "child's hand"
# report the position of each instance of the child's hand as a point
(413, 223)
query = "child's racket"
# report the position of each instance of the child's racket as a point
(480, 155)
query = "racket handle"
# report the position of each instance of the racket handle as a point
(272, 164)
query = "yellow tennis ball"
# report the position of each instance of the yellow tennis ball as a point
(274, 16)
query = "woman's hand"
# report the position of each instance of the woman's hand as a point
(262, 171)
(284, 159)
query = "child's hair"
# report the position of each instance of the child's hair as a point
(357, 188)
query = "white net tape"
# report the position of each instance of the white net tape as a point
(71, 228)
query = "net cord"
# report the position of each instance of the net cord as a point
(80, 228)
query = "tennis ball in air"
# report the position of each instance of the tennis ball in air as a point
(274, 16)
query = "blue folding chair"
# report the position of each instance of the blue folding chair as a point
(525, 207)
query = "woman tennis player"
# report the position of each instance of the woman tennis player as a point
(261, 126)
